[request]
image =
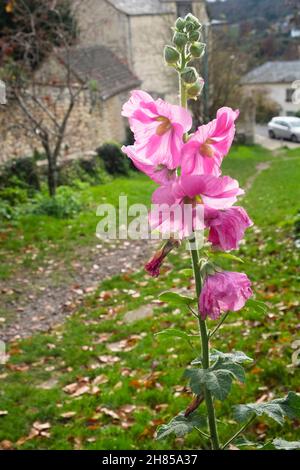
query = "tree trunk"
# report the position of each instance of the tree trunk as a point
(52, 176)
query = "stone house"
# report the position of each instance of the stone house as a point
(276, 80)
(120, 47)
(97, 116)
(137, 31)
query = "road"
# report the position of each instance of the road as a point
(262, 138)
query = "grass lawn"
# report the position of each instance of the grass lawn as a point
(124, 380)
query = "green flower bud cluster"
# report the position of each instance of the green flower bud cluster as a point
(186, 47)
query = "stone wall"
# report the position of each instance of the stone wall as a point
(92, 123)
(101, 24)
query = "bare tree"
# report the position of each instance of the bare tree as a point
(45, 117)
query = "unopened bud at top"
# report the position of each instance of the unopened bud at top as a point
(192, 23)
(180, 24)
(189, 75)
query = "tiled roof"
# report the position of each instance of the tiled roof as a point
(100, 64)
(274, 72)
(142, 7)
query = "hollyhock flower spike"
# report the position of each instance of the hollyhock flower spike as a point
(227, 228)
(197, 191)
(158, 173)
(223, 292)
(158, 128)
(205, 150)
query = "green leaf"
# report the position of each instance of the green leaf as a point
(281, 444)
(173, 333)
(256, 306)
(276, 409)
(218, 382)
(227, 256)
(180, 425)
(236, 370)
(174, 298)
(237, 357)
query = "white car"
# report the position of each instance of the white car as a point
(285, 127)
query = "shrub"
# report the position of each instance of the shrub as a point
(65, 204)
(88, 171)
(13, 195)
(266, 108)
(22, 172)
(115, 162)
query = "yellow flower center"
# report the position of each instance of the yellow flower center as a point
(165, 125)
(206, 149)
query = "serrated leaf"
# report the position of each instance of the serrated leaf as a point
(235, 369)
(237, 357)
(282, 444)
(218, 381)
(180, 425)
(175, 299)
(276, 409)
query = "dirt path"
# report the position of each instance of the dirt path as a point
(48, 297)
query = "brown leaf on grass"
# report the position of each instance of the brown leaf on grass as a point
(18, 367)
(110, 413)
(124, 345)
(149, 381)
(102, 338)
(106, 295)
(108, 359)
(6, 445)
(3, 413)
(100, 380)
(38, 430)
(68, 415)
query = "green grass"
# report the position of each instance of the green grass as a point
(150, 375)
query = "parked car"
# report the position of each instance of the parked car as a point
(285, 127)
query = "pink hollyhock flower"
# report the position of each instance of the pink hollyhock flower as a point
(227, 228)
(158, 128)
(154, 265)
(223, 292)
(158, 173)
(185, 200)
(205, 150)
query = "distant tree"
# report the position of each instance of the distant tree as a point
(28, 29)
(42, 117)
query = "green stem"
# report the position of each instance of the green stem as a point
(205, 357)
(202, 324)
(218, 326)
(238, 432)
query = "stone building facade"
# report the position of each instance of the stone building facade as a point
(120, 48)
(137, 30)
(96, 118)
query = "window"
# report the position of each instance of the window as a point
(183, 8)
(289, 95)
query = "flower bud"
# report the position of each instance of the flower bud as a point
(180, 39)
(195, 90)
(192, 22)
(155, 263)
(189, 75)
(194, 36)
(197, 49)
(171, 55)
(180, 24)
